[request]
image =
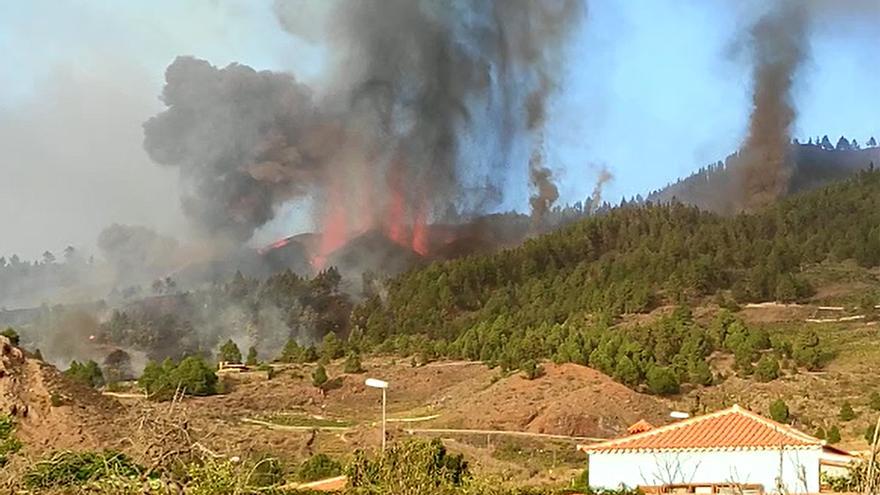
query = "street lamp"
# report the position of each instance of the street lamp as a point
(374, 383)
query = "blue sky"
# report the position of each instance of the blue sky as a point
(652, 90)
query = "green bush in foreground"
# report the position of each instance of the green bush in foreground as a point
(8, 443)
(317, 467)
(68, 469)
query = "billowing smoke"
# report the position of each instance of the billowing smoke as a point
(136, 253)
(603, 178)
(779, 47)
(239, 138)
(381, 144)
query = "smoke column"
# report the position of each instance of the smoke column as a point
(379, 146)
(778, 47)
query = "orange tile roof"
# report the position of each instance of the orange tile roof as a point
(729, 429)
(639, 426)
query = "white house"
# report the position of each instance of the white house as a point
(731, 451)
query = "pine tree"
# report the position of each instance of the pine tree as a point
(353, 364)
(251, 356)
(779, 411)
(319, 376)
(767, 369)
(229, 352)
(833, 435)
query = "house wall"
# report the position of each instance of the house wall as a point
(800, 469)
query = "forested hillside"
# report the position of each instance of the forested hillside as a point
(555, 296)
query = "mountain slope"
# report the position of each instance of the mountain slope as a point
(717, 188)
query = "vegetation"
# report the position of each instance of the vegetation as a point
(833, 435)
(192, 376)
(88, 373)
(251, 359)
(409, 467)
(353, 363)
(779, 412)
(12, 335)
(532, 369)
(229, 352)
(71, 469)
(846, 412)
(318, 466)
(556, 297)
(9, 444)
(767, 369)
(319, 376)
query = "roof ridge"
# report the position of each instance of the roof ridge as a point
(785, 430)
(665, 428)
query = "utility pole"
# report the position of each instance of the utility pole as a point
(374, 383)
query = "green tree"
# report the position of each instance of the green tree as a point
(846, 412)
(88, 373)
(332, 347)
(195, 376)
(869, 435)
(833, 435)
(874, 401)
(319, 376)
(12, 335)
(662, 381)
(626, 372)
(699, 372)
(820, 433)
(779, 411)
(353, 363)
(229, 352)
(251, 356)
(767, 369)
(532, 369)
(317, 467)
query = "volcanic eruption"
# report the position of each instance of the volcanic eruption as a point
(413, 125)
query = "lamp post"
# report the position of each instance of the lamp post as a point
(374, 383)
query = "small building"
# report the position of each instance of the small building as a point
(732, 451)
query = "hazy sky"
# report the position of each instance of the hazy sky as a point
(653, 89)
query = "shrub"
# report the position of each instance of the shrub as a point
(67, 469)
(251, 356)
(12, 335)
(318, 467)
(88, 373)
(9, 444)
(319, 376)
(332, 347)
(833, 434)
(229, 352)
(846, 412)
(412, 466)
(266, 472)
(779, 411)
(532, 369)
(874, 401)
(662, 381)
(193, 376)
(767, 369)
(353, 363)
(869, 435)
(820, 433)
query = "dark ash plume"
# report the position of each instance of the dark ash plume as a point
(779, 47)
(239, 139)
(411, 79)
